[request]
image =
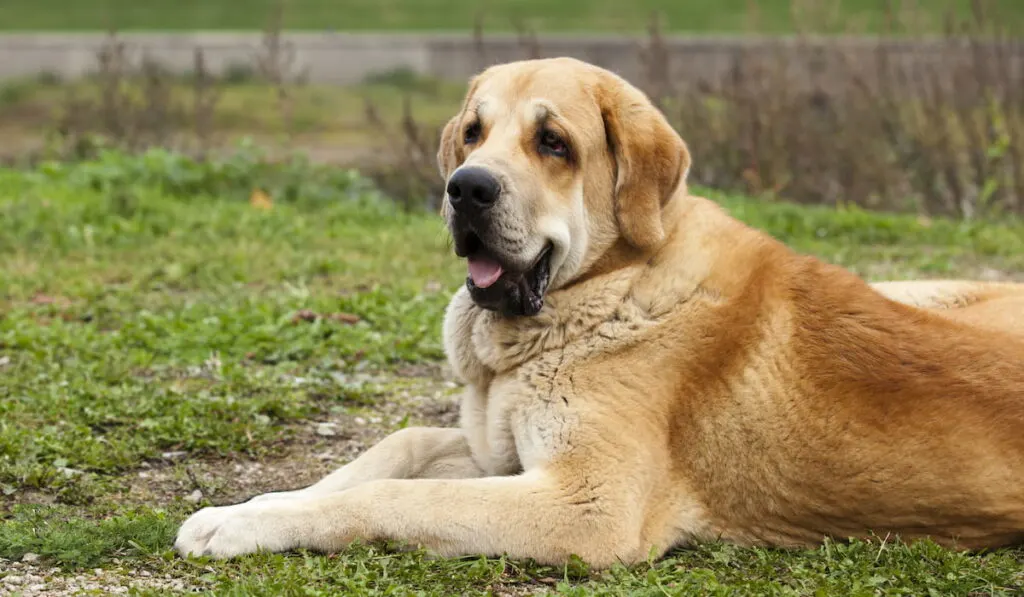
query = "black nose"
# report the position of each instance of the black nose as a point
(473, 188)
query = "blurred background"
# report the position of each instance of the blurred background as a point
(885, 104)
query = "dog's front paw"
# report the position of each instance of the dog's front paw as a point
(229, 531)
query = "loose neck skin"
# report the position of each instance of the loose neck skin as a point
(621, 254)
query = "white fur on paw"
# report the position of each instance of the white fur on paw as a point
(229, 531)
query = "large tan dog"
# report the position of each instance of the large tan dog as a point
(644, 371)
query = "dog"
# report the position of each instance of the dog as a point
(642, 371)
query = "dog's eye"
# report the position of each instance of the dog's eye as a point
(472, 134)
(552, 144)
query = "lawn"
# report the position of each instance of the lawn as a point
(569, 15)
(168, 341)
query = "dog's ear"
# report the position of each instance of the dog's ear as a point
(447, 160)
(651, 160)
(449, 150)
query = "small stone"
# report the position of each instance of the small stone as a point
(359, 421)
(175, 455)
(327, 429)
(194, 497)
(30, 557)
(13, 579)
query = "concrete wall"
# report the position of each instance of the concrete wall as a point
(340, 58)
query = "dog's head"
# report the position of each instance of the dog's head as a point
(549, 164)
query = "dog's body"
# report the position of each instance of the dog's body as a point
(685, 378)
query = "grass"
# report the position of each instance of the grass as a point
(356, 15)
(152, 339)
(111, 302)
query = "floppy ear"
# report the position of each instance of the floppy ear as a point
(447, 160)
(651, 160)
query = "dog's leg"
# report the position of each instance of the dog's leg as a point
(945, 294)
(545, 514)
(993, 306)
(412, 453)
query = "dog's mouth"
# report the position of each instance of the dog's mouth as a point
(498, 286)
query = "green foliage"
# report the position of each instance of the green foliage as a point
(454, 15)
(361, 570)
(855, 569)
(235, 175)
(858, 568)
(854, 226)
(143, 321)
(61, 535)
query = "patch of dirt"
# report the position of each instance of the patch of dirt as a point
(420, 395)
(319, 447)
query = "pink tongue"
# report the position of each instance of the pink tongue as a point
(484, 272)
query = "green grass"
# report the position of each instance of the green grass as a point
(111, 300)
(577, 15)
(140, 315)
(860, 568)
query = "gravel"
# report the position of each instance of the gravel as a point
(27, 579)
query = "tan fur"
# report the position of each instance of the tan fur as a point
(689, 378)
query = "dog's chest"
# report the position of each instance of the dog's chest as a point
(527, 415)
(522, 406)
